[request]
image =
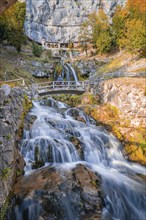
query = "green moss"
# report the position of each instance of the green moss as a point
(27, 105)
(19, 172)
(72, 100)
(6, 173)
(9, 136)
(117, 132)
(3, 209)
(93, 182)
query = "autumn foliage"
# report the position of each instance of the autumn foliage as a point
(125, 30)
(12, 25)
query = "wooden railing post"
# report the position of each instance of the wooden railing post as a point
(23, 82)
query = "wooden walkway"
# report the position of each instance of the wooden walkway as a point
(51, 87)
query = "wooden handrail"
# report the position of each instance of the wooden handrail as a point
(13, 80)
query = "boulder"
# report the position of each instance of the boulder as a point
(6, 88)
(61, 194)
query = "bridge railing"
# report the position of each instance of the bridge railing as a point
(62, 85)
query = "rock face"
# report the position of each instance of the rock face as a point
(127, 95)
(60, 194)
(11, 108)
(60, 20)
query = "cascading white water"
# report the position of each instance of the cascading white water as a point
(73, 72)
(49, 141)
(67, 73)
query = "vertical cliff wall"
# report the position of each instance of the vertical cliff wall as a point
(13, 107)
(60, 20)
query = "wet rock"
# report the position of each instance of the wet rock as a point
(78, 145)
(63, 193)
(29, 120)
(49, 102)
(40, 74)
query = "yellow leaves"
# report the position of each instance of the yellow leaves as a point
(137, 4)
(134, 35)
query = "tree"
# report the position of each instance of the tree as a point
(137, 9)
(128, 26)
(2, 28)
(134, 36)
(101, 35)
(12, 23)
(85, 36)
(96, 30)
(118, 24)
(103, 43)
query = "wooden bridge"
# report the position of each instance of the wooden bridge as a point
(51, 87)
(56, 87)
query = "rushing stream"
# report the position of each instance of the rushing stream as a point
(48, 141)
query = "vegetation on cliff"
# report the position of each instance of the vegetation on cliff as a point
(125, 31)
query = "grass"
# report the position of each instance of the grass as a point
(123, 60)
(11, 67)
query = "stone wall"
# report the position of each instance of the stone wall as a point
(11, 162)
(127, 95)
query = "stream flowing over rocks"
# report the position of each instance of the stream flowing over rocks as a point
(74, 170)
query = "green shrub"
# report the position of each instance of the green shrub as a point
(49, 54)
(58, 68)
(36, 49)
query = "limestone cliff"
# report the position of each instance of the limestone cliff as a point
(60, 20)
(12, 112)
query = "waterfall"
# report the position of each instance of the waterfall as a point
(72, 72)
(69, 71)
(49, 142)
